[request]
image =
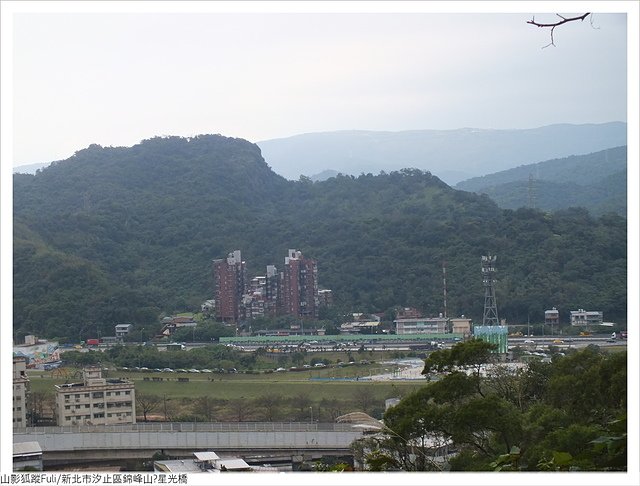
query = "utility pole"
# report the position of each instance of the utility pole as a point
(444, 286)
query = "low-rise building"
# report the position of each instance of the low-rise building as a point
(552, 317)
(123, 330)
(170, 324)
(424, 325)
(360, 327)
(585, 318)
(96, 400)
(20, 387)
(460, 325)
(408, 313)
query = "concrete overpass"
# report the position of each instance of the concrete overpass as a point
(91, 444)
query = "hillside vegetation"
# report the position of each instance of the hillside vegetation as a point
(596, 181)
(123, 234)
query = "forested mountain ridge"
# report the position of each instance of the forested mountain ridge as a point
(122, 234)
(596, 181)
(451, 155)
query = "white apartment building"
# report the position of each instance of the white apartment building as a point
(96, 401)
(20, 385)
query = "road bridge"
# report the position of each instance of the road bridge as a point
(91, 444)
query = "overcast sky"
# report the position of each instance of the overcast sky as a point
(117, 78)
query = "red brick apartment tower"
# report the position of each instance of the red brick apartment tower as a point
(229, 278)
(299, 286)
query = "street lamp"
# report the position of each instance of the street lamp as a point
(311, 411)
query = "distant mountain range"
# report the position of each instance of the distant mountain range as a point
(30, 168)
(451, 155)
(596, 181)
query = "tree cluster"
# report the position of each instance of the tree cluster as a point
(569, 414)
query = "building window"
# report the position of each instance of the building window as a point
(98, 394)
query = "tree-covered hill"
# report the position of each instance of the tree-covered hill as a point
(123, 234)
(596, 181)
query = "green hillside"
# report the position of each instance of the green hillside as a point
(123, 234)
(596, 181)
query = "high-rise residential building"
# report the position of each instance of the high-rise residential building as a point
(325, 297)
(272, 287)
(229, 277)
(299, 286)
(254, 301)
(20, 386)
(96, 400)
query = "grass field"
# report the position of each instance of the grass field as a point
(265, 396)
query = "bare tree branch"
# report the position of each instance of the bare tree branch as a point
(563, 20)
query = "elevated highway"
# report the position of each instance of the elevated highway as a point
(91, 444)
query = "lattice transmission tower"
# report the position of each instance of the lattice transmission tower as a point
(490, 315)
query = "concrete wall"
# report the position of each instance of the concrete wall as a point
(93, 443)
